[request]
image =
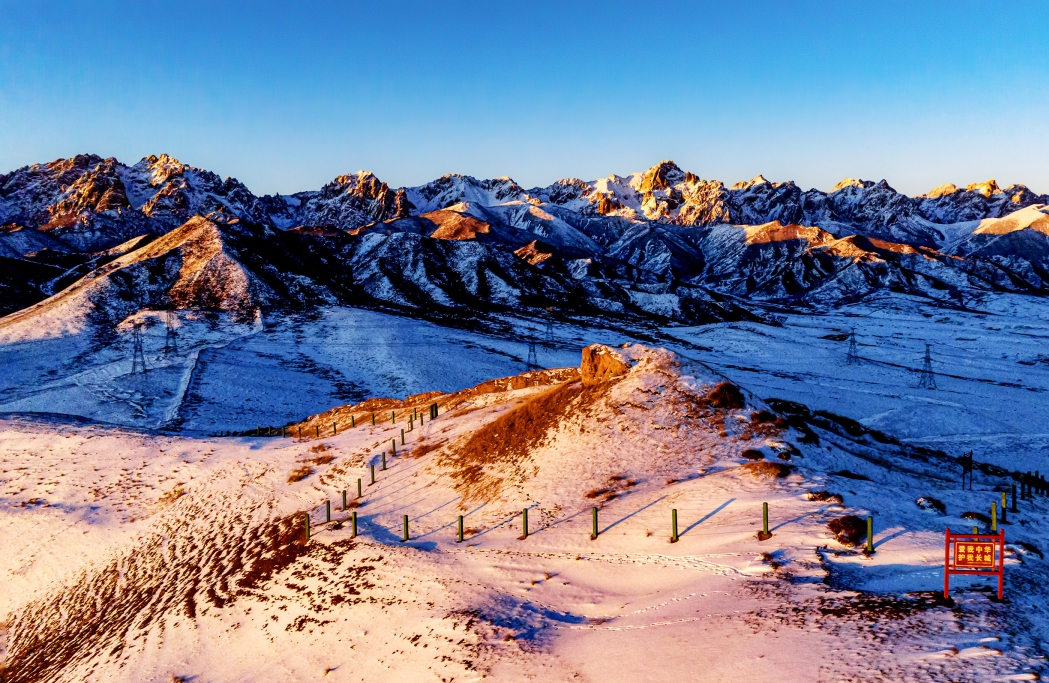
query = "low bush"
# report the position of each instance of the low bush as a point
(849, 530)
(767, 470)
(726, 396)
(299, 473)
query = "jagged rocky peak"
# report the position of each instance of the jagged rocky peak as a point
(159, 169)
(986, 188)
(663, 176)
(747, 184)
(941, 191)
(98, 188)
(849, 183)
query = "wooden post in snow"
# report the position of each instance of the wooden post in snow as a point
(593, 515)
(460, 536)
(673, 526)
(353, 523)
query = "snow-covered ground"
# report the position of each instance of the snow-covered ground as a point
(228, 376)
(991, 365)
(131, 555)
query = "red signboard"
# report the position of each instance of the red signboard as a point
(975, 554)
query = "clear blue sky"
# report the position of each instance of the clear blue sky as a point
(285, 98)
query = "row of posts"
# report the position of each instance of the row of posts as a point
(413, 417)
(674, 535)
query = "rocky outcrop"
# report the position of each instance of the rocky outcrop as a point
(600, 364)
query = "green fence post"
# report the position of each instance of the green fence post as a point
(353, 524)
(334, 429)
(353, 421)
(327, 511)
(284, 432)
(765, 520)
(524, 524)
(373, 419)
(318, 428)
(994, 518)
(593, 515)
(344, 500)
(405, 528)
(1005, 508)
(359, 492)
(393, 443)
(384, 460)
(299, 429)
(393, 417)
(373, 475)
(402, 438)
(460, 538)
(307, 516)
(673, 526)
(870, 534)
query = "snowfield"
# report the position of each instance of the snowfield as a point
(134, 554)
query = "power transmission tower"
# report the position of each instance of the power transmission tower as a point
(171, 340)
(138, 357)
(928, 379)
(854, 356)
(533, 361)
(549, 332)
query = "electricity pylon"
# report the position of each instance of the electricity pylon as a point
(533, 361)
(928, 378)
(854, 356)
(138, 357)
(171, 340)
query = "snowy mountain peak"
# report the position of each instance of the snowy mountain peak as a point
(453, 188)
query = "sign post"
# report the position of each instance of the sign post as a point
(975, 555)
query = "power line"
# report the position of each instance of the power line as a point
(854, 356)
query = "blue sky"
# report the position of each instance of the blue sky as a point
(285, 98)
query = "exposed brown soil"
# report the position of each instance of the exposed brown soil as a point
(360, 414)
(751, 454)
(502, 447)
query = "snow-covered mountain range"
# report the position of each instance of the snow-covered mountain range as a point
(661, 244)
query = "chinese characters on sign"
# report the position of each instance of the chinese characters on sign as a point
(974, 554)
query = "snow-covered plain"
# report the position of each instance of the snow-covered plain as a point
(139, 554)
